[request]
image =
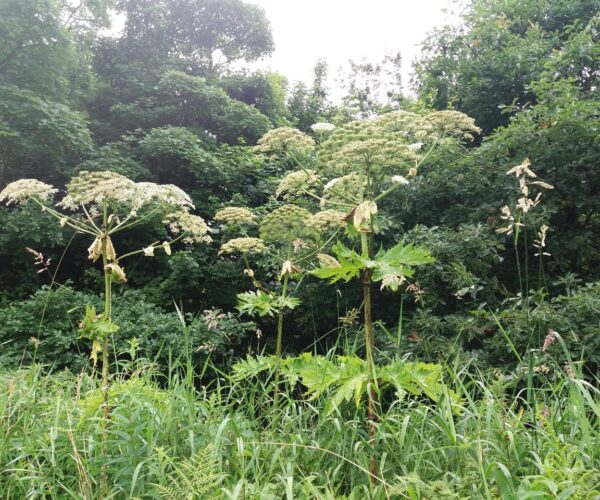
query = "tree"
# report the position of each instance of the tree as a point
(311, 105)
(493, 56)
(44, 43)
(370, 88)
(38, 137)
(201, 36)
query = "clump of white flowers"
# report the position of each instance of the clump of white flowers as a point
(283, 140)
(296, 183)
(321, 127)
(326, 219)
(21, 191)
(235, 215)
(191, 227)
(392, 141)
(243, 245)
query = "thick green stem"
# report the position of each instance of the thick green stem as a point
(278, 347)
(105, 354)
(368, 317)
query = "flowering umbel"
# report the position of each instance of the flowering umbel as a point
(243, 245)
(21, 191)
(285, 223)
(282, 140)
(235, 215)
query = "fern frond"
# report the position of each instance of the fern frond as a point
(194, 476)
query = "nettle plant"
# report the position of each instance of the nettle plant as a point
(283, 243)
(358, 166)
(100, 205)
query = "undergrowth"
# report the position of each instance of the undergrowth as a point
(512, 436)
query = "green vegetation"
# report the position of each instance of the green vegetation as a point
(379, 297)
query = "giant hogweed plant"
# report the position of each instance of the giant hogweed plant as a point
(100, 205)
(287, 240)
(358, 166)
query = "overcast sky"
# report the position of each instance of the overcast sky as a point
(338, 30)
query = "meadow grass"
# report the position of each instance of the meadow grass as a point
(515, 436)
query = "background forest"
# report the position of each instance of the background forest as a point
(172, 101)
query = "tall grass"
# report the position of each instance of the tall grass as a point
(516, 436)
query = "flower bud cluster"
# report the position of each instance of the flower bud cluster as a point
(287, 222)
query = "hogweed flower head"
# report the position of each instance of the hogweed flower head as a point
(393, 140)
(326, 219)
(296, 182)
(19, 192)
(449, 123)
(347, 185)
(285, 223)
(164, 193)
(243, 245)
(195, 228)
(235, 215)
(283, 139)
(399, 179)
(321, 127)
(97, 188)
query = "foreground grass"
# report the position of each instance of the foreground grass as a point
(230, 441)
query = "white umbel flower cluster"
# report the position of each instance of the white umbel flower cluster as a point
(326, 219)
(243, 245)
(194, 227)
(97, 188)
(19, 192)
(235, 215)
(284, 139)
(295, 182)
(321, 127)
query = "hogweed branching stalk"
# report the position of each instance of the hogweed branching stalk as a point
(100, 205)
(359, 165)
(288, 237)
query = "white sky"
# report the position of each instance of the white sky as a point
(338, 30)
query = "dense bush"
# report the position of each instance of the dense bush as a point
(45, 328)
